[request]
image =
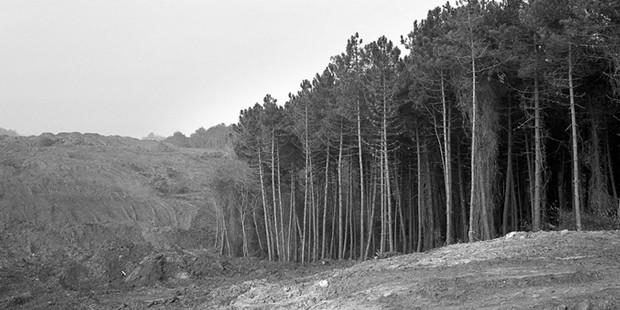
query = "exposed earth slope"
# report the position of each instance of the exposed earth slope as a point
(84, 209)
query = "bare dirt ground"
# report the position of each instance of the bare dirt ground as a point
(546, 270)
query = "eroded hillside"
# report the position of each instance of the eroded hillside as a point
(85, 208)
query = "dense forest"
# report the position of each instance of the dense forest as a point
(498, 116)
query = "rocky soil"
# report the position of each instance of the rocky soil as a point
(546, 270)
(550, 270)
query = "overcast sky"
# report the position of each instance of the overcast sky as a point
(131, 67)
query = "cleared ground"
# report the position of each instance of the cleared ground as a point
(546, 270)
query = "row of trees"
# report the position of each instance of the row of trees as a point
(497, 113)
(217, 137)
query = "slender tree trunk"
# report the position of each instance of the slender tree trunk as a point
(298, 235)
(346, 226)
(290, 216)
(351, 230)
(315, 215)
(509, 185)
(382, 190)
(325, 200)
(282, 238)
(333, 226)
(537, 160)
(576, 199)
(266, 214)
(530, 173)
(518, 198)
(388, 194)
(462, 194)
(275, 201)
(340, 206)
(430, 203)
(225, 236)
(410, 209)
(420, 214)
(371, 216)
(221, 237)
(260, 243)
(361, 168)
(486, 229)
(399, 210)
(244, 235)
(447, 164)
(217, 226)
(611, 172)
(474, 108)
(306, 188)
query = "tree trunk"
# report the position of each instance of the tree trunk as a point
(447, 164)
(419, 181)
(333, 227)
(509, 181)
(462, 194)
(282, 238)
(245, 249)
(530, 173)
(474, 108)
(361, 168)
(399, 212)
(260, 243)
(411, 209)
(325, 200)
(576, 199)
(340, 224)
(388, 193)
(351, 230)
(382, 187)
(306, 188)
(314, 241)
(371, 216)
(612, 182)
(537, 160)
(266, 214)
(290, 217)
(275, 201)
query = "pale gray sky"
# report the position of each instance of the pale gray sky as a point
(130, 67)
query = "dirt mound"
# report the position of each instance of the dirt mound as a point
(73, 179)
(172, 266)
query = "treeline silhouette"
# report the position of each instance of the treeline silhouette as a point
(218, 137)
(498, 116)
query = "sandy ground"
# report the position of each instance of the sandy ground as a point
(546, 270)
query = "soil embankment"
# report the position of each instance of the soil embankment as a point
(81, 211)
